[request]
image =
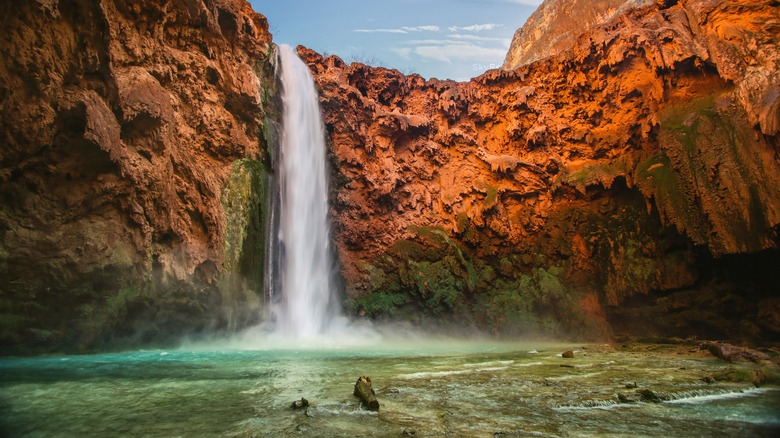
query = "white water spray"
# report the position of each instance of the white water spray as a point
(308, 302)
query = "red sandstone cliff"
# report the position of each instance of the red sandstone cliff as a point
(551, 198)
(123, 125)
(555, 26)
(566, 185)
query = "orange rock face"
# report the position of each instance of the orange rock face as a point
(603, 167)
(625, 184)
(555, 26)
(122, 122)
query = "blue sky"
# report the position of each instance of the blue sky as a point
(446, 39)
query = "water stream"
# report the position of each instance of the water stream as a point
(308, 302)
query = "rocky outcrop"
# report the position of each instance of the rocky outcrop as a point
(544, 198)
(555, 26)
(130, 172)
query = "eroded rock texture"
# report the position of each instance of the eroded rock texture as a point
(130, 177)
(550, 197)
(555, 26)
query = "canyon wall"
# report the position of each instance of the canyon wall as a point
(134, 137)
(626, 185)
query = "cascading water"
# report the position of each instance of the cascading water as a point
(307, 299)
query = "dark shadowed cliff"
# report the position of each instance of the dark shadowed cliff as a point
(130, 175)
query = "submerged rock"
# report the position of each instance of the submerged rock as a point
(629, 398)
(568, 354)
(642, 395)
(647, 395)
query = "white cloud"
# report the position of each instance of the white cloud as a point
(476, 27)
(460, 52)
(422, 28)
(526, 2)
(380, 31)
(504, 43)
(404, 29)
(425, 42)
(403, 52)
(460, 36)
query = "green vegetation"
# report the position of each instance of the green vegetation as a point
(707, 169)
(379, 304)
(435, 277)
(246, 212)
(491, 194)
(538, 302)
(598, 173)
(244, 200)
(757, 376)
(106, 310)
(134, 315)
(491, 199)
(625, 245)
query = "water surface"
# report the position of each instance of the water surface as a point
(439, 388)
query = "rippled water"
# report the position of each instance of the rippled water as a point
(438, 388)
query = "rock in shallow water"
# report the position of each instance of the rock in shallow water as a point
(300, 404)
(733, 353)
(365, 392)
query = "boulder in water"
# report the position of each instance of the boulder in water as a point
(733, 353)
(629, 398)
(642, 395)
(648, 396)
(300, 404)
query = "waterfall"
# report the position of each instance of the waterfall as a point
(307, 302)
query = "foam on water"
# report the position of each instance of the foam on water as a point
(706, 396)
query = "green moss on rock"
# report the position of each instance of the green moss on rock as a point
(711, 179)
(246, 215)
(598, 173)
